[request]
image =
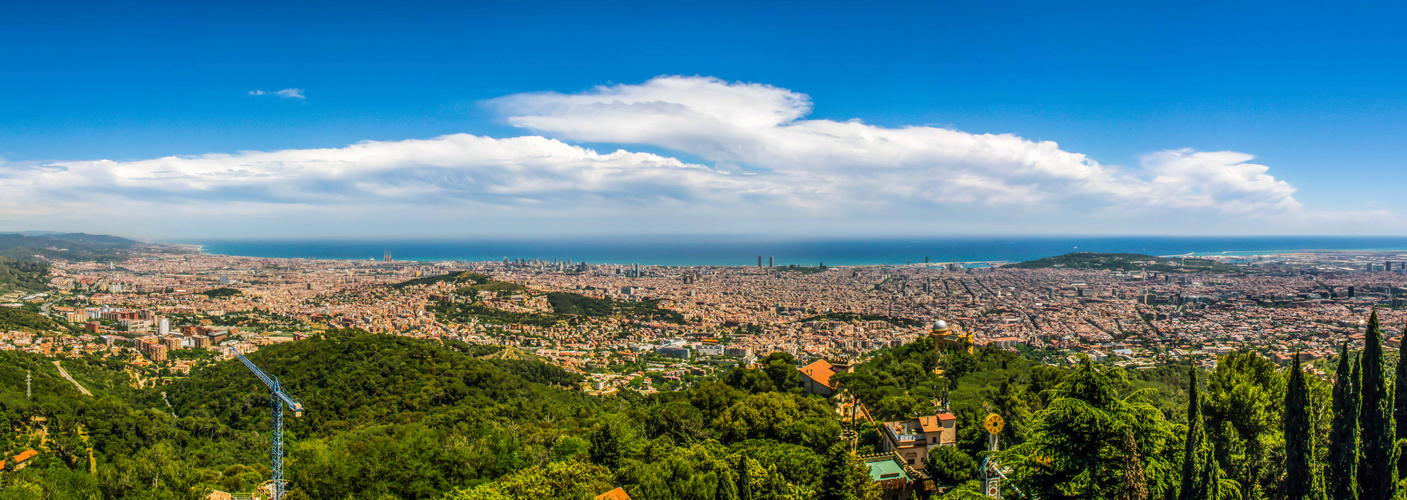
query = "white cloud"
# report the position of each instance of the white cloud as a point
(285, 93)
(773, 171)
(1221, 180)
(764, 127)
(423, 183)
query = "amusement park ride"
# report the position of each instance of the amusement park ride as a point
(992, 475)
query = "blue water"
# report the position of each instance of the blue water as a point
(694, 251)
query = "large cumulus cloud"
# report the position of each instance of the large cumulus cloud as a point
(764, 128)
(760, 165)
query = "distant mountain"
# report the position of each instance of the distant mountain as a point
(28, 245)
(32, 233)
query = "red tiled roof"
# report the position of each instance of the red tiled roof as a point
(820, 371)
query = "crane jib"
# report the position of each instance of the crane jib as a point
(272, 384)
(277, 401)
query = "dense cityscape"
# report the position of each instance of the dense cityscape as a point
(144, 309)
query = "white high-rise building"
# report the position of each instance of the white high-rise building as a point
(163, 327)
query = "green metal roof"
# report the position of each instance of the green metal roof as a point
(886, 469)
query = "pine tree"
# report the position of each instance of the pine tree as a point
(1377, 464)
(1075, 445)
(1301, 480)
(1193, 479)
(1343, 433)
(1399, 408)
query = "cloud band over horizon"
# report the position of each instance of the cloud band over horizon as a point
(769, 169)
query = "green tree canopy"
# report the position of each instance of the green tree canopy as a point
(1076, 447)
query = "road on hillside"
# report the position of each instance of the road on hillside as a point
(64, 372)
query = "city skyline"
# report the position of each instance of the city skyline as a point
(981, 122)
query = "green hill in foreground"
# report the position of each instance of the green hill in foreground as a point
(396, 417)
(1125, 262)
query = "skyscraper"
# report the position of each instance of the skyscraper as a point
(771, 261)
(759, 261)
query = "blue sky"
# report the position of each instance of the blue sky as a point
(1313, 92)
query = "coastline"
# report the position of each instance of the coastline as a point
(970, 252)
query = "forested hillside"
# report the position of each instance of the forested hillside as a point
(1126, 262)
(15, 318)
(394, 417)
(21, 275)
(70, 246)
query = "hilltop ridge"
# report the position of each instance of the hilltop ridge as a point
(1125, 262)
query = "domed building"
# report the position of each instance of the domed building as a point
(946, 339)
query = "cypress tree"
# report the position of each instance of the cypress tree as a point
(1301, 480)
(1210, 477)
(727, 487)
(1377, 464)
(1399, 408)
(1193, 479)
(845, 477)
(1343, 433)
(1135, 484)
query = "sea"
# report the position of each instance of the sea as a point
(745, 251)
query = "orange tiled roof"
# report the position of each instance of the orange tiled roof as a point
(820, 371)
(616, 494)
(930, 424)
(26, 455)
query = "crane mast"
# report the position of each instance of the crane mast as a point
(278, 399)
